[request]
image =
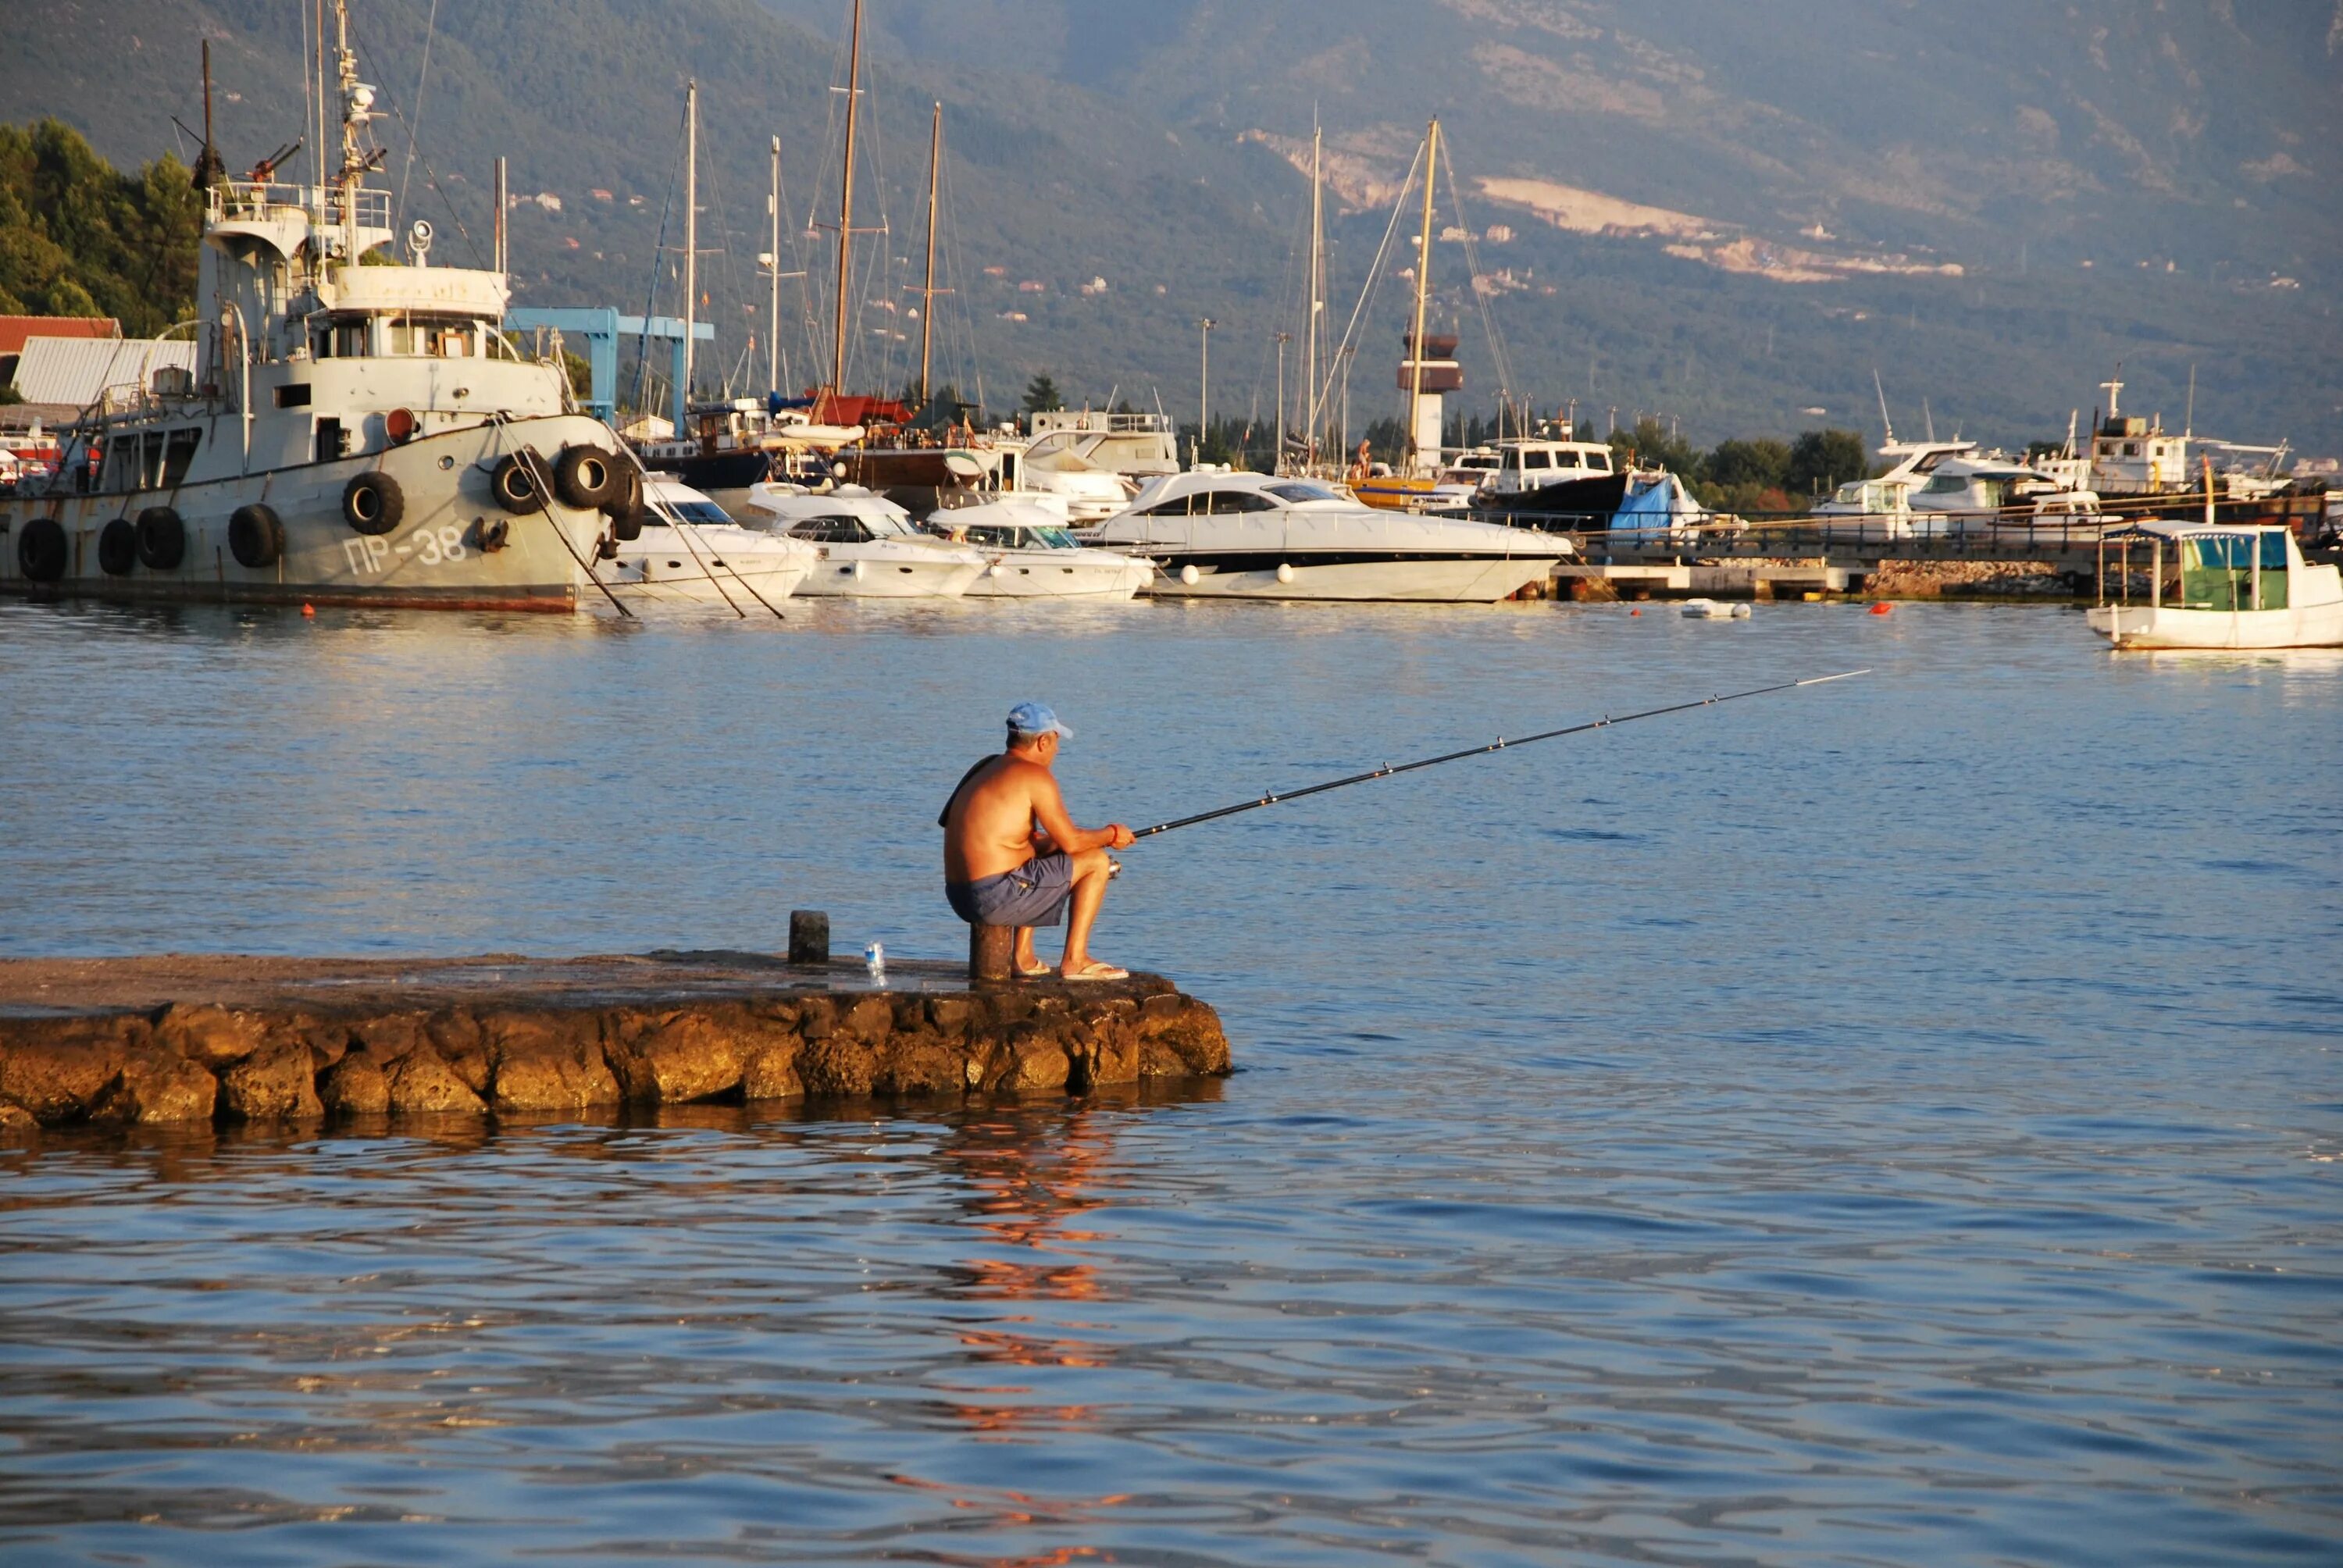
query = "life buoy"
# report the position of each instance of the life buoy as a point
(117, 547)
(626, 504)
(399, 425)
(256, 536)
(514, 483)
(162, 539)
(42, 550)
(583, 476)
(373, 503)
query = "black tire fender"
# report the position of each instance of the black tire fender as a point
(516, 483)
(42, 551)
(117, 547)
(584, 476)
(256, 536)
(625, 504)
(373, 503)
(162, 539)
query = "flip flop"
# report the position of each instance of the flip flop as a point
(1099, 971)
(1044, 972)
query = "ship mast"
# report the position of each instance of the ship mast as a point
(691, 238)
(1317, 278)
(1422, 291)
(846, 200)
(928, 291)
(773, 270)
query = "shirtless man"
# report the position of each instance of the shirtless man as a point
(1013, 857)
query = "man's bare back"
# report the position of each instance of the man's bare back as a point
(1012, 856)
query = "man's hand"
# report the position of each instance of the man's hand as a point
(1119, 837)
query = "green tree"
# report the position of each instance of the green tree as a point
(78, 238)
(1651, 446)
(1042, 395)
(1762, 463)
(1822, 460)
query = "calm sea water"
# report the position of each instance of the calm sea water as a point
(1894, 1123)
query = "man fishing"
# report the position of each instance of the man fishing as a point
(1012, 856)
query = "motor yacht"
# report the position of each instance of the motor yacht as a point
(1978, 495)
(1256, 535)
(2218, 586)
(865, 544)
(690, 551)
(1031, 555)
(1095, 459)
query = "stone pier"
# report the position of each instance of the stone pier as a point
(193, 1039)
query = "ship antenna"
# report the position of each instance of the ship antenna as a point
(1884, 419)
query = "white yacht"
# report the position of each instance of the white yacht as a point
(353, 433)
(687, 551)
(1030, 554)
(1255, 535)
(2218, 585)
(865, 544)
(1972, 495)
(1097, 460)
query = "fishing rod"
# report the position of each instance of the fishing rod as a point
(1500, 744)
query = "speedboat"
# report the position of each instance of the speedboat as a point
(690, 552)
(1257, 536)
(865, 544)
(2220, 586)
(1031, 555)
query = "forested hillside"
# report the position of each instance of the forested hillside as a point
(76, 239)
(1845, 188)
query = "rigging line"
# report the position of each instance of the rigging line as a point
(431, 176)
(1501, 744)
(1345, 350)
(430, 30)
(650, 291)
(1499, 355)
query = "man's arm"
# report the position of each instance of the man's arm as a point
(1050, 810)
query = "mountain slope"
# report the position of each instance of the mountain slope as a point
(1839, 184)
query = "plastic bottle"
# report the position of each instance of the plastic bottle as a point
(875, 955)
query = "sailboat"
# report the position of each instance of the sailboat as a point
(1428, 371)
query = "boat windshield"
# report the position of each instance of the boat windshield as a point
(1300, 490)
(1038, 536)
(700, 512)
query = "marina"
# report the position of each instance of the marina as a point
(769, 801)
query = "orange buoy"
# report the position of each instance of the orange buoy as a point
(1634, 612)
(1882, 608)
(309, 609)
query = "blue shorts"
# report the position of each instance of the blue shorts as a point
(1034, 894)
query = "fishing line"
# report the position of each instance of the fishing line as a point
(1501, 744)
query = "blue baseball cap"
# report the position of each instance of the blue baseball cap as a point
(1034, 718)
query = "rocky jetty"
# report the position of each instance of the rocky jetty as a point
(192, 1038)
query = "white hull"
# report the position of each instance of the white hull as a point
(888, 579)
(1044, 574)
(1468, 581)
(2155, 627)
(436, 556)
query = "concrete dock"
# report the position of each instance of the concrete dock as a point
(191, 1038)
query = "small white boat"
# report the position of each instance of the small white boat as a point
(690, 552)
(2224, 586)
(1031, 555)
(865, 544)
(1257, 536)
(1714, 610)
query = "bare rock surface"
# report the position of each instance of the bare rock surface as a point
(181, 1039)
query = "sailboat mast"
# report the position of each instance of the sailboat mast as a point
(1422, 293)
(846, 200)
(773, 312)
(690, 234)
(1317, 274)
(928, 293)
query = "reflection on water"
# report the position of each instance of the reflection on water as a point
(1900, 1124)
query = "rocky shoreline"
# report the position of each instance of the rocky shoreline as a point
(178, 1039)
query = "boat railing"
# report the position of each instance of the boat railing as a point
(233, 199)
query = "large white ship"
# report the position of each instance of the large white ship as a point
(353, 433)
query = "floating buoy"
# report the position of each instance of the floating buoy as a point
(1285, 572)
(1190, 576)
(1634, 612)
(1742, 612)
(1882, 608)
(309, 609)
